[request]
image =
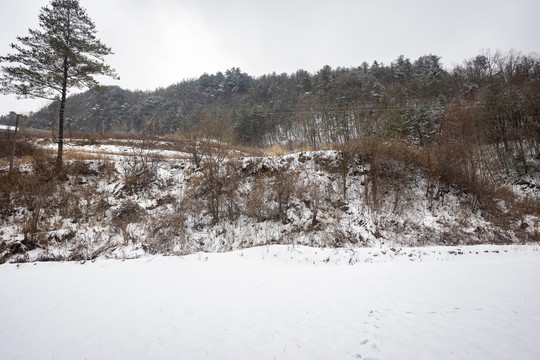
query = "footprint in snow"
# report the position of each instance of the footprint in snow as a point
(359, 356)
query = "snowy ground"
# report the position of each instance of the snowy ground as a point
(278, 302)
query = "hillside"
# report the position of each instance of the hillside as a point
(127, 198)
(404, 99)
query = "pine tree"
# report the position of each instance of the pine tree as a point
(64, 53)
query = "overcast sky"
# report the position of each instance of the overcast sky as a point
(161, 42)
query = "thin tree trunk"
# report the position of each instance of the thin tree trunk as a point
(344, 172)
(61, 130)
(13, 146)
(61, 116)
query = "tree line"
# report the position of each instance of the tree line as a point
(405, 99)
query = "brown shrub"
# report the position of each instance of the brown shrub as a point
(140, 170)
(24, 146)
(256, 202)
(283, 186)
(165, 232)
(106, 169)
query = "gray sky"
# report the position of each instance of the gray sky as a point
(161, 42)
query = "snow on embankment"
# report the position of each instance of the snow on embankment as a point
(278, 302)
(153, 202)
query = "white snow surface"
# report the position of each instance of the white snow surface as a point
(6, 127)
(278, 302)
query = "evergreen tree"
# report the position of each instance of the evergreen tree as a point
(63, 54)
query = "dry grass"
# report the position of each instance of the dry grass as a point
(82, 155)
(275, 150)
(98, 154)
(23, 147)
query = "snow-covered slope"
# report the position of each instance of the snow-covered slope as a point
(104, 208)
(278, 302)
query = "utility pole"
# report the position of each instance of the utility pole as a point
(14, 143)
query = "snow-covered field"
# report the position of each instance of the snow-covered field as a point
(278, 302)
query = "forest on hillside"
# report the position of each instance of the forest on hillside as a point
(498, 94)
